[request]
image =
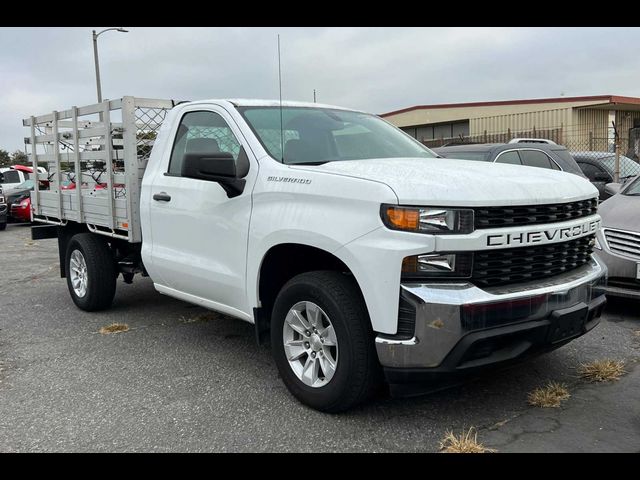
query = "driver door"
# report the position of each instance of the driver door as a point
(199, 234)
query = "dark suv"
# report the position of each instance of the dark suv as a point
(599, 168)
(542, 155)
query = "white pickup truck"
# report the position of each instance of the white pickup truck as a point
(364, 257)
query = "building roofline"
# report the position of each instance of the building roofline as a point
(606, 98)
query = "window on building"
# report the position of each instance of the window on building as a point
(409, 130)
(442, 131)
(424, 133)
(460, 129)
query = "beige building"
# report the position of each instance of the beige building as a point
(579, 122)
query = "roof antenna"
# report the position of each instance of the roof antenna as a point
(280, 87)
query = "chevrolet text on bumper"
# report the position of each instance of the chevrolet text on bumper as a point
(350, 245)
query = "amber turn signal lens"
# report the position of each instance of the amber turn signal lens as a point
(404, 218)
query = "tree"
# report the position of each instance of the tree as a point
(19, 158)
(5, 159)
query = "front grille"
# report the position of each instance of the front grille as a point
(515, 265)
(623, 243)
(499, 217)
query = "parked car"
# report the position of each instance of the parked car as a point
(619, 239)
(19, 202)
(13, 176)
(3, 212)
(531, 154)
(599, 168)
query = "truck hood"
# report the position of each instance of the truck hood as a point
(452, 182)
(621, 211)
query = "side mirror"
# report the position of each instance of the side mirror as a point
(217, 167)
(1, 177)
(612, 188)
(601, 177)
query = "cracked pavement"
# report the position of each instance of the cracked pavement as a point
(184, 379)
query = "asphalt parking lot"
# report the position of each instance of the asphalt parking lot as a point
(184, 379)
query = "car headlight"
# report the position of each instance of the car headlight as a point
(431, 220)
(438, 265)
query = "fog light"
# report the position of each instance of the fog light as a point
(451, 265)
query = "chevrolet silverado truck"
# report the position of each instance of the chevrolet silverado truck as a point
(363, 257)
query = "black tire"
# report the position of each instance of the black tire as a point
(358, 372)
(101, 272)
(3, 226)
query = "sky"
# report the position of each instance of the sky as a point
(372, 69)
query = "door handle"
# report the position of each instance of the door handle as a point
(162, 197)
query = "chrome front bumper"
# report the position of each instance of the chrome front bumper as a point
(447, 314)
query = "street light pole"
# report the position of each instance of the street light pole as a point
(95, 56)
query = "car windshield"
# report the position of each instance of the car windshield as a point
(628, 168)
(633, 188)
(318, 135)
(26, 185)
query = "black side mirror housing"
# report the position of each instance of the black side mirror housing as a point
(218, 167)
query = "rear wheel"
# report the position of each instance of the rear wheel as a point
(91, 272)
(322, 341)
(3, 226)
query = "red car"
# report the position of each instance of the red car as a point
(21, 210)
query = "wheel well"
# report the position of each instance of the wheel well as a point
(281, 264)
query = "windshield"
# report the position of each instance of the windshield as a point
(27, 184)
(633, 188)
(628, 168)
(318, 135)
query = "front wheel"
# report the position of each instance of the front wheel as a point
(322, 341)
(3, 226)
(91, 272)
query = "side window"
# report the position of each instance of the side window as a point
(589, 170)
(536, 158)
(205, 132)
(511, 157)
(12, 176)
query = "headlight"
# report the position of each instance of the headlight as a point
(432, 220)
(437, 265)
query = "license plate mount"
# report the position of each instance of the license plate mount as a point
(568, 323)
